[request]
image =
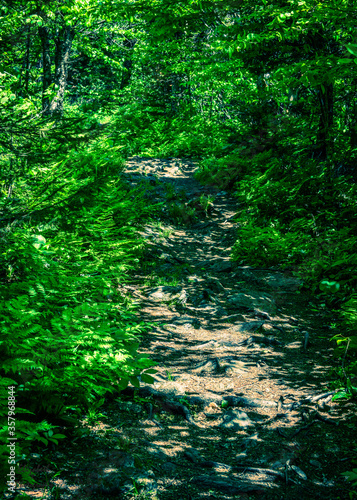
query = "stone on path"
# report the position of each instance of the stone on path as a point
(163, 293)
(236, 420)
(254, 301)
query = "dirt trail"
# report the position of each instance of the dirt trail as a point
(243, 362)
(241, 406)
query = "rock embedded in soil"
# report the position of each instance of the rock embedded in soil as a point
(249, 326)
(222, 267)
(236, 420)
(169, 467)
(164, 293)
(193, 455)
(209, 366)
(279, 281)
(185, 320)
(253, 301)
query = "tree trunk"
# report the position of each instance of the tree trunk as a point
(128, 63)
(189, 92)
(323, 137)
(322, 46)
(46, 65)
(62, 56)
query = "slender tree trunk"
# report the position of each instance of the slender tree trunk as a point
(62, 56)
(325, 96)
(128, 63)
(189, 92)
(46, 67)
(323, 138)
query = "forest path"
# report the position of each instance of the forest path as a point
(236, 408)
(240, 405)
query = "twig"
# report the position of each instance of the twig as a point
(156, 423)
(150, 417)
(344, 357)
(280, 403)
(150, 410)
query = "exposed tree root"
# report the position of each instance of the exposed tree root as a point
(229, 487)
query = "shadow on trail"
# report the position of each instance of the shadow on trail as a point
(240, 403)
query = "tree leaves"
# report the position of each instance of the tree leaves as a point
(329, 286)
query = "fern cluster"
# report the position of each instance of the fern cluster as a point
(143, 132)
(298, 217)
(67, 334)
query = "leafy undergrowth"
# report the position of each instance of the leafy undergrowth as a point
(140, 446)
(68, 336)
(141, 132)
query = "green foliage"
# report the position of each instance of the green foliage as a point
(264, 94)
(181, 212)
(142, 132)
(329, 286)
(269, 246)
(351, 476)
(68, 336)
(346, 350)
(288, 215)
(93, 413)
(226, 170)
(206, 203)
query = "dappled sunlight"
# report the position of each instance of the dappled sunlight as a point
(235, 371)
(239, 359)
(178, 207)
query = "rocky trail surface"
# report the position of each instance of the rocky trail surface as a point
(240, 406)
